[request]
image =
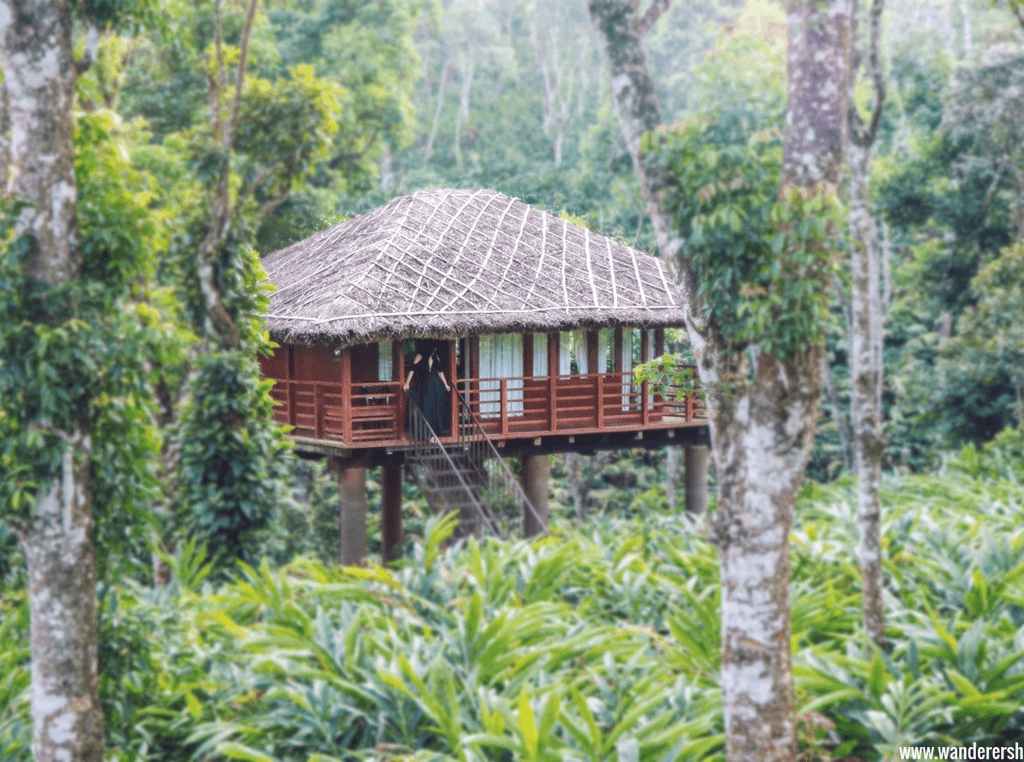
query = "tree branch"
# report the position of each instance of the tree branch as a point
(240, 78)
(865, 135)
(650, 18)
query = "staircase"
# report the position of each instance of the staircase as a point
(467, 476)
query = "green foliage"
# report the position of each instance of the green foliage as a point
(760, 260)
(73, 354)
(988, 348)
(599, 642)
(234, 458)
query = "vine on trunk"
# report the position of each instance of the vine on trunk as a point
(762, 254)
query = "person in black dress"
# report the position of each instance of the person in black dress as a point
(437, 397)
(415, 385)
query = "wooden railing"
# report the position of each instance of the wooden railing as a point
(503, 407)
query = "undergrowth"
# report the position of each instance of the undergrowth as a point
(597, 643)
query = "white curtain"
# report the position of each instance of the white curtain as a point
(627, 364)
(540, 354)
(501, 356)
(384, 367)
(605, 351)
(564, 353)
(579, 348)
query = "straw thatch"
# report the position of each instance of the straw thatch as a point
(452, 262)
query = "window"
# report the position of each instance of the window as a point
(540, 355)
(572, 353)
(627, 365)
(606, 350)
(384, 366)
(501, 356)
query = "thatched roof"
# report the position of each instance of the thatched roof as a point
(452, 262)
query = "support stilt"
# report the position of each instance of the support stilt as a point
(352, 520)
(391, 511)
(696, 479)
(536, 477)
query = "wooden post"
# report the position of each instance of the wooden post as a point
(318, 412)
(346, 396)
(696, 458)
(503, 396)
(592, 339)
(600, 400)
(391, 510)
(473, 371)
(553, 339)
(528, 355)
(536, 478)
(659, 342)
(398, 376)
(291, 384)
(618, 349)
(352, 514)
(453, 397)
(645, 356)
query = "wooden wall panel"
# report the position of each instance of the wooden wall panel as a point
(316, 363)
(365, 363)
(275, 366)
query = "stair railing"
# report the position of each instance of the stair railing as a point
(428, 450)
(507, 490)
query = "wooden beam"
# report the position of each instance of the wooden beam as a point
(391, 510)
(536, 480)
(592, 338)
(291, 387)
(659, 342)
(553, 339)
(618, 349)
(346, 396)
(453, 397)
(696, 479)
(528, 355)
(398, 375)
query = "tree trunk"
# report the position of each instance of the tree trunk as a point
(672, 470)
(845, 440)
(39, 71)
(762, 438)
(865, 402)
(762, 432)
(441, 85)
(66, 714)
(463, 112)
(865, 333)
(696, 457)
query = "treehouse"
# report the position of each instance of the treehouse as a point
(537, 325)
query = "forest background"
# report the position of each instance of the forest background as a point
(346, 104)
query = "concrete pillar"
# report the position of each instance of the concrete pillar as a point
(696, 458)
(352, 504)
(536, 476)
(391, 511)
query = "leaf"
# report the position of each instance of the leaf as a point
(195, 708)
(528, 725)
(234, 750)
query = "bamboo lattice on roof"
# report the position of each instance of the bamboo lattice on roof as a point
(454, 262)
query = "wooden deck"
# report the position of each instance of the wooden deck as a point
(507, 408)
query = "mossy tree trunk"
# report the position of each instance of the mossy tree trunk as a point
(39, 83)
(761, 411)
